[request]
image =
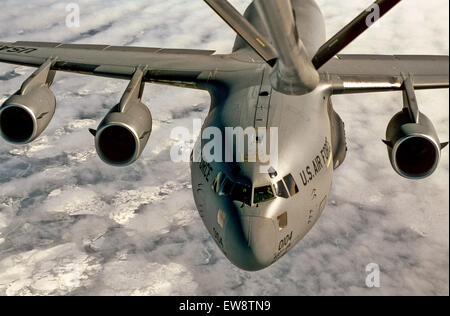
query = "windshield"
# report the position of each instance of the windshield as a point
(227, 185)
(242, 193)
(223, 186)
(281, 190)
(217, 182)
(263, 194)
(291, 185)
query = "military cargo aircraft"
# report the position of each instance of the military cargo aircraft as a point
(281, 76)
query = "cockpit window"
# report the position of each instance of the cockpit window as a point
(242, 193)
(227, 186)
(215, 185)
(217, 182)
(223, 186)
(263, 194)
(280, 189)
(291, 184)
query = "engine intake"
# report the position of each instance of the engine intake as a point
(23, 117)
(414, 148)
(122, 136)
(26, 114)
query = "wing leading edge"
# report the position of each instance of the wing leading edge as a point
(372, 73)
(346, 74)
(178, 67)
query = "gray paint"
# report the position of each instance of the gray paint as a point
(250, 237)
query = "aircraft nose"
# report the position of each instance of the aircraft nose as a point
(251, 242)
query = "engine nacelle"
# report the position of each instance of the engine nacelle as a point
(122, 135)
(414, 148)
(24, 116)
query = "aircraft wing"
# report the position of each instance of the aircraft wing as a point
(372, 73)
(179, 67)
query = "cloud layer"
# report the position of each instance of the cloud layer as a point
(71, 225)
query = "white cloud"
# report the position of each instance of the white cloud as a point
(70, 224)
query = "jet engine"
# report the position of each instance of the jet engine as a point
(123, 134)
(413, 144)
(414, 148)
(26, 114)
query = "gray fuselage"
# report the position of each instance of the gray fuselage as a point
(254, 235)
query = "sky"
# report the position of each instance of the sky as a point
(71, 225)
